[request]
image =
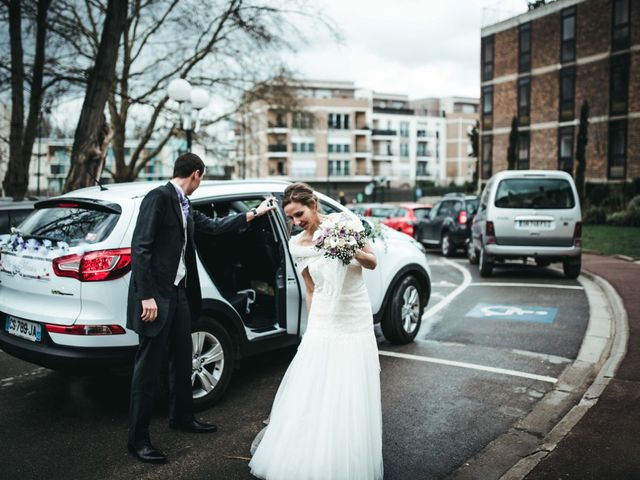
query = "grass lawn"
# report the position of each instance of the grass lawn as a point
(610, 240)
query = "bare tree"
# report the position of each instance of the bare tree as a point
(581, 149)
(512, 149)
(93, 133)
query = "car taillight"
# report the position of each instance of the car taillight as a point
(86, 329)
(462, 217)
(490, 232)
(577, 234)
(94, 266)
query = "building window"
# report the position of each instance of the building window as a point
(487, 58)
(568, 47)
(524, 100)
(339, 167)
(304, 120)
(487, 107)
(404, 150)
(567, 93)
(339, 121)
(617, 150)
(404, 129)
(619, 93)
(421, 170)
(565, 149)
(524, 47)
(487, 156)
(523, 151)
(620, 28)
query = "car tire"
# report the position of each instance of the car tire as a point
(484, 265)
(572, 267)
(472, 253)
(542, 263)
(446, 247)
(214, 360)
(403, 315)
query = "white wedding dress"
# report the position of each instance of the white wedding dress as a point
(326, 419)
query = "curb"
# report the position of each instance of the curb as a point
(529, 440)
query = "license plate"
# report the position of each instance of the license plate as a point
(23, 328)
(534, 224)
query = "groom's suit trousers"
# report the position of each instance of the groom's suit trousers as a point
(174, 340)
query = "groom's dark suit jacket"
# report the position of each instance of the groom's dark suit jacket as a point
(156, 247)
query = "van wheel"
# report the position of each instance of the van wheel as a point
(213, 358)
(485, 266)
(472, 253)
(572, 267)
(401, 321)
(542, 263)
(446, 246)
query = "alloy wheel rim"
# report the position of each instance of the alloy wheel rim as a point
(207, 363)
(410, 309)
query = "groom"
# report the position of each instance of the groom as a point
(164, 299)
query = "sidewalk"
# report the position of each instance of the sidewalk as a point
(605, 443)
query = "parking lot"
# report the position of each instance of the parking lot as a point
(487, 351)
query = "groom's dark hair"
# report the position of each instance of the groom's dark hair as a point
(186, 164)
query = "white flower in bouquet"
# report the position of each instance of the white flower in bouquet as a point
(340, 237)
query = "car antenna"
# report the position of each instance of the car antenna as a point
(102, 187)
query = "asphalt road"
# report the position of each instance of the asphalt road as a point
(487, 351)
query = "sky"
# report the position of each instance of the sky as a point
(422, 48)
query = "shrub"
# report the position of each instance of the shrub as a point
(634, 204)
(594, 216)
(626, 218)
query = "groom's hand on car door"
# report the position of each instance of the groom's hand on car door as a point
(149, 310)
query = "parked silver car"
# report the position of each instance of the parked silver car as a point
(528, 213)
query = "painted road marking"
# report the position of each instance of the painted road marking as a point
(471, 366)
(536, 285)
(517, 313)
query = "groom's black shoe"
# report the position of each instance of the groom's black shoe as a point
(193, 426)
(147, 453)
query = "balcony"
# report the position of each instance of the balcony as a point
(363, 130)
(277, 148)
(277, 127)
(383, 133)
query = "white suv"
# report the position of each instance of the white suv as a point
(528, 213)
(64, 281)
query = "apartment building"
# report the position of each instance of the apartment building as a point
(541, 66)
(340, 138)
(460, 116)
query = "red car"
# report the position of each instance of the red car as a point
(406, 216)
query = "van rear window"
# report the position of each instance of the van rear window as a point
(73, 225)
(539, 193)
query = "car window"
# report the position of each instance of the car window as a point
(421, 213)
(382, 212)
(457, 206)
(471, 205)
(73, 225)
(400, 212)
(445, 209)
(5, 226)
(539, 193)
(434, 211)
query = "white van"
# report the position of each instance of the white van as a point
(528, 213)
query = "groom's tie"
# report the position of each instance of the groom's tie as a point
(184, 203)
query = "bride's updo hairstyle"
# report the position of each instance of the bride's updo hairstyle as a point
(299, 193)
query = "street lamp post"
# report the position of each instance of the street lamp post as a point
(190, 102)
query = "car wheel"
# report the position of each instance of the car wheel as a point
(572, 267)
(213, 358)
(402, 320)
(472, 253)
(542, 263)
(485, 266)
(446, 246)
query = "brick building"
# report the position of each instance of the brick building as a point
(540, 67)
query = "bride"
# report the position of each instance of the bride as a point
(326, 419)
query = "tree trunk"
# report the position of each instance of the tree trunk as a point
(21, 137)
(93, 133)
(581, 149)
(512, 149)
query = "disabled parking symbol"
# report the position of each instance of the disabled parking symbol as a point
(515, 313)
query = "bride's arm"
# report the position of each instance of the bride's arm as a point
(310, 287)
(366, 257)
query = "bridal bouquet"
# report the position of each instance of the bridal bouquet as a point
(340, 236)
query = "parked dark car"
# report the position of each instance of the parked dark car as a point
(448, 224)
(12, 213)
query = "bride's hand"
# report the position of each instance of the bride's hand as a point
(366, 258)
